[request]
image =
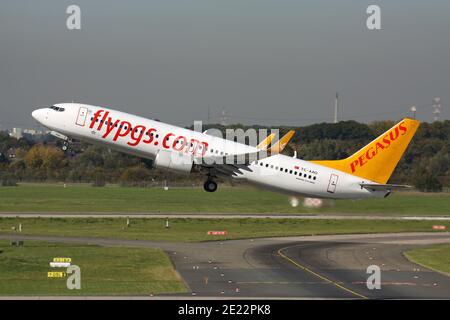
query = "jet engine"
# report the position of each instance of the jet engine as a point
(178, 162)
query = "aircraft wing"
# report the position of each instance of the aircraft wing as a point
(383, 187)
(233, 159)
(233, 164)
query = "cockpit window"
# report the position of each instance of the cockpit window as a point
(59, 109)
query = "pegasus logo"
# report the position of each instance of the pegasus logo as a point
(378, 146)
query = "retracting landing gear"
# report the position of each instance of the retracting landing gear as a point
(65, 146)
(210, 186)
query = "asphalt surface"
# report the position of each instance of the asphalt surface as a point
(312, 267)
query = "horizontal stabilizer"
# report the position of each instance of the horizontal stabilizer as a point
(384, 187)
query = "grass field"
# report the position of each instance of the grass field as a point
(196, 229)
(112, 271)
(435, 257)
(54, 198)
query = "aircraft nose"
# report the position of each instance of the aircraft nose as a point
(38, 114)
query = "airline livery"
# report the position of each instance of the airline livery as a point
(362, 175)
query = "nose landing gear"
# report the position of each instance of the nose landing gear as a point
(210, 186)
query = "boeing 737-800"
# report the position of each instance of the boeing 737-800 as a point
(362, 175)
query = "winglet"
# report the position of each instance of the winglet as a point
(266, 142)
(282, 143)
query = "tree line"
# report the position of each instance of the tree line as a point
(425, 164)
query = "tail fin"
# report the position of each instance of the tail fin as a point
(377, 160)
(266, 142)
(282, 143)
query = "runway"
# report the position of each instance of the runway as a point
(220, 216)
(309, 267)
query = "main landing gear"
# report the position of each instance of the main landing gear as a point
(65, 146)
(210, 186)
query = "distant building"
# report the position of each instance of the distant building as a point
(32, 132)
(20, 133)
(17, 133)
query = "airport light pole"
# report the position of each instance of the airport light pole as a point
(413, 110)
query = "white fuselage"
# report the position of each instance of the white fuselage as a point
(148, 137)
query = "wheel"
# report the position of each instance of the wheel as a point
(210, 186)
(65, 147)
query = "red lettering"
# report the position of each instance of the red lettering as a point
(353, 165)
(166, 139)
(150, 136)
(396, 134)
(179, 143)
(378, 146)
(370, 153)
(403, 128)
(95, 118)
(362, 160)
(100, 125)
(192, 147)
(140, 130)
(205, 147)
(123, 130)
(110, 126)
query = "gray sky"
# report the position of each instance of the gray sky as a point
(268, 62)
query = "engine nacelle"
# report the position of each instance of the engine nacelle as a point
(175, 161)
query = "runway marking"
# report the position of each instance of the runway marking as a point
(400, 284)
(278, 282)
(280, 252)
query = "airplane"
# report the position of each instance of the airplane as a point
(362, 175)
